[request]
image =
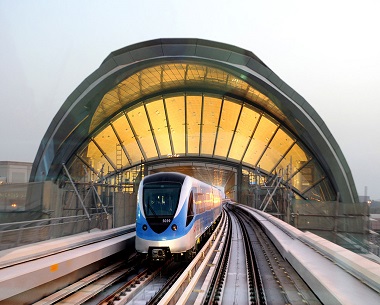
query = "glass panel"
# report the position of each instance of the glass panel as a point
(211, 111)
(106, 107)
(97, 160)
(129, 90)
(141, 126)
(277, 148)
(107, 141)
(194, 105)
(323, 191)
(196, 72)
(190, 209)
(256, 96)
(157, 117)
(173, 74)
(260, 140)
(216, 76)
(246, 125)
(237, 83)
(150, 78)
(128, 139)
(161, 199)
(175, 107)
(307, 177)
(77, 170)
(293, 160)
(227, 126)
(299, 183)
(154, 79)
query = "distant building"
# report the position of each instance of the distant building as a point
(14, 172)
(365, 198)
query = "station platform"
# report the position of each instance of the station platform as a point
(335, 274)
(30, 268)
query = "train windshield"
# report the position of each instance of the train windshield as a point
(161, 198)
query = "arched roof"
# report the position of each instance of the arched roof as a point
(198, 99)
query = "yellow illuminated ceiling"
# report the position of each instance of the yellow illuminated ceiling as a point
(191, 110)
(159, 78)
(196, 125)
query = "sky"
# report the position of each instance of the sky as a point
(328, 51)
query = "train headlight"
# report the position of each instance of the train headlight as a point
(145, 227)
(174, 227)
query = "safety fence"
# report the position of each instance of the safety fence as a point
(27, 232)
(34, 212)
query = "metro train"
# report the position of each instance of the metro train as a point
(174, 212)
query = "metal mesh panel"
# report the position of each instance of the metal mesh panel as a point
(34, 212)
(28, 232)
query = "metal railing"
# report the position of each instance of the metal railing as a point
(28, 232)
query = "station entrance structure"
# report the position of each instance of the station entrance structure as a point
(207, 109)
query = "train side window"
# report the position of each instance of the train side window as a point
(190, 209)
(200, 203)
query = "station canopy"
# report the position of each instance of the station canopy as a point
(199, 106)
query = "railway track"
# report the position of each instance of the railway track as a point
(237, 265)
(123, 282)
(281, 284)
(251, 271)
(148, 287)
(96, 284)
(236, 279)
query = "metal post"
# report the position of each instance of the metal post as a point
(336, 217)
(113, 209)
(100, 200)
(271, 194)
(239, 182)
(76, 191)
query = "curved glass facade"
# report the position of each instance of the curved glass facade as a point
(172, 101)
(201, 125)
(166, 77)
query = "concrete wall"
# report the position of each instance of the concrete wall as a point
(125, 209)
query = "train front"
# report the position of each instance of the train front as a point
(161, 215)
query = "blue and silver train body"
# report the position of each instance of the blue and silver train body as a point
(173, 213)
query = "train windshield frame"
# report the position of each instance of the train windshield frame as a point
(161, 198)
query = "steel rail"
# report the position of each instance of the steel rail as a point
(256, 287)
(291, 286)
(120, 269)
(215, 285)
(184, 286)
(161, 293)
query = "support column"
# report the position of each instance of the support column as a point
(239, 182)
